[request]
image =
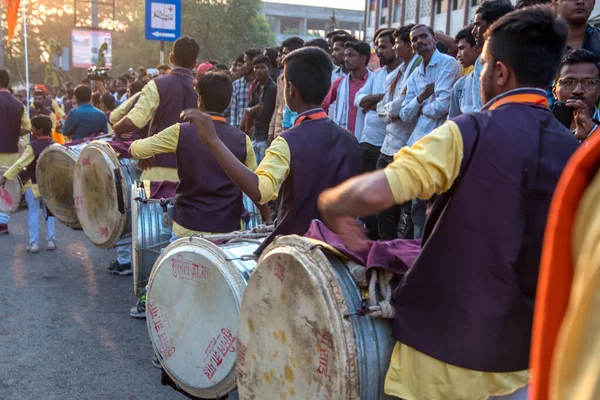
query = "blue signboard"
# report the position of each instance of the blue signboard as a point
(163, 20)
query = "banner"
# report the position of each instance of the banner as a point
(12, 10)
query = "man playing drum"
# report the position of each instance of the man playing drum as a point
(314, 155)
(159, 105)
(207, 200)
(41, 130)
(464, 310)
(15, 124)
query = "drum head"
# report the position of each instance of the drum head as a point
(99, 187)
(54, 174)
(293, 341)
(192, 305)
(10, 195)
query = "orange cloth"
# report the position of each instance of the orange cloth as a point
(556, 266)
(12, 11)
(58, 137)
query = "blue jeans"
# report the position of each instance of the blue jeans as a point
(124, 251)
(33, 211)
(260, 147)
(4, 218)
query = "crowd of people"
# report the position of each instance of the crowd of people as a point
(451, 140)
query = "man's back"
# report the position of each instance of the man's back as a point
(11, 111)
(85, 121)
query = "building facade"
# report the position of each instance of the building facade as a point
(309, 22)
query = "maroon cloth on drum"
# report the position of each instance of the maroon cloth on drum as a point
(163, 189)
(121, 147)
(396, 256)
(79, 141)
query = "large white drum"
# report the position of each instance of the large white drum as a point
(150, 233)
(192, 305)
(293, 339)
(12, 199)
(54, 173)
(101, 190)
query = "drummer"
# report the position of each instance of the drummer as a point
(464, 310)
(314, 155)
(41, 130)
(40, 107)
(206, 202)
(17, 124)
(159, 105)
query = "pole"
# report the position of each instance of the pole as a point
(162, 53)
(24, 9)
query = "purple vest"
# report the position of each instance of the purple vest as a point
(33, 112)
(11, 111)
(176, 91)
(323, 155)
(468, 299)
(38, 146)
(207, 199)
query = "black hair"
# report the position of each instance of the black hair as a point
(4, 78)
(318, 42)
(42, 122)
(336, 33)
(83, 94)
(39, 93)
(377, 33)
(96, 99)
(220, 67)
(293, 43)
(579, 56)
(70, 93)
(185, 52)
(272, 53)
(262, 59)
(423, 26)
(466, 33)
(528, 3)
(213, 62)
(493, 10)
(239, 59)
(135, 87)
(309, 70)
(385, 33)
(252, 53)
(215, 89)
(109, 101)
(362, 48)
(404, 33)
(123, 79)
(531, 41)
(342, 38)
(162, 67)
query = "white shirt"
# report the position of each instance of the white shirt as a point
(462, 99)
(443, 71)
(374, 129)
(397, 131)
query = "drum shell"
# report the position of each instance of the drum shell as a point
(101, 182)
(54, 173)
(255, 218)
(203, 308)
(12, 199)
(293, 338)
(149, 236)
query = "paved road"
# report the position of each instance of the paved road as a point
(65, 329)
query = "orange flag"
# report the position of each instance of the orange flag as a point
(12, 10)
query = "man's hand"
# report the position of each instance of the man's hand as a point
(203, 123)
(2, 181)
(426, 93)
(582, 118)
(348, 228)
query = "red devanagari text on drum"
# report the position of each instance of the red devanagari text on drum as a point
(188, 271)
(326, 347)
(165, 347)
(216, 351)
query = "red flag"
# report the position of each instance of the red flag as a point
(12, 10)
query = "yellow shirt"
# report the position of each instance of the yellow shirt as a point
(468, 70)
(118, 113)
(26, 158)
(430, 166)
(7, 159)
(575, 373)
(144, 109)
(273, 169)
(166, 142)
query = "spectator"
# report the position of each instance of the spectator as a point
(273, 54)
(107, 103)
(427, 100)
(241, 88)
(318, 42)
(85, 120)
(337, 55)
(236, 67)
(529, 3)
(578, 86)
(120, 89)
(468, 51)
(276, 126)
(261, 107)
(339, 103)
(163, 70)
(40, 107)
(68, 101)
